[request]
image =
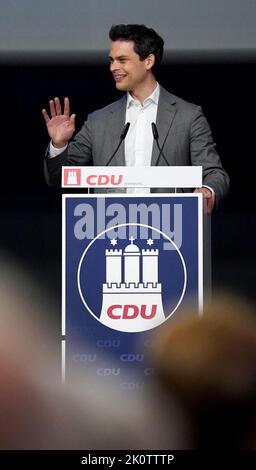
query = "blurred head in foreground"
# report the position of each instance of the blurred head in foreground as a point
(208, 363)
(37, 412)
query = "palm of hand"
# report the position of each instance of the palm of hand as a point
(60, 128)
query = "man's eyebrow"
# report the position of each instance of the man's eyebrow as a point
(119, 57)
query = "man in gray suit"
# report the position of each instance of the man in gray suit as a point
(185, 137)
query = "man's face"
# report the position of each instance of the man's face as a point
(128, 70)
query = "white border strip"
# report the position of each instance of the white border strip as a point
(200, 256)
(63, 291)
(147, 195)
(63, 266)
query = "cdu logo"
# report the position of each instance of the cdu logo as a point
(72, 177)
(131, 283)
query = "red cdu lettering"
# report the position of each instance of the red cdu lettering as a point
(130, 311)
(115, 180)
(103, 180)
(110, 312)
(143, 312)
(91, 180)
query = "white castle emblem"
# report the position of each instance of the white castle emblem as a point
(72, 177)
(132, 294)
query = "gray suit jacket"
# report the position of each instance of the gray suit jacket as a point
(184, 135)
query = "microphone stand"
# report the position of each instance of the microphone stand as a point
(122, 137)
(161, 153)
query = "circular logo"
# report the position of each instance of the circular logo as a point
(131, 277)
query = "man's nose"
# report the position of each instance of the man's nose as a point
(113, 66)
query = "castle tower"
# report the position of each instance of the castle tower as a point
(133, 302)
(150, 266)
(131, 263)
(113, 266)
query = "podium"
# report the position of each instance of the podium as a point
(130, 262)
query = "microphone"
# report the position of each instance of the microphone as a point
(156, 137)
(122, 137)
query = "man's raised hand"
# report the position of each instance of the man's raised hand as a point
(60, 126)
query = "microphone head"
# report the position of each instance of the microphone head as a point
(124, 131)
(154, 130)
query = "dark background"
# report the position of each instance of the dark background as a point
(31, 211)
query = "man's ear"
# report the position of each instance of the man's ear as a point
(149, 61)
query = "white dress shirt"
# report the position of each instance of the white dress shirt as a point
(139, 140)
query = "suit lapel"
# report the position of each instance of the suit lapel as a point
(116, 124)
(165, 114)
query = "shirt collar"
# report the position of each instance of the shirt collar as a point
(154, 97)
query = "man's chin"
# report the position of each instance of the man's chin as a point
(121, 86)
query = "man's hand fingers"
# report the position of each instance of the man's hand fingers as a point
(206, 192)
(57, 106)
(52, 108)
(210, 205)
(208, 199)
(72, 119)
(45, 115)
(66, 107)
